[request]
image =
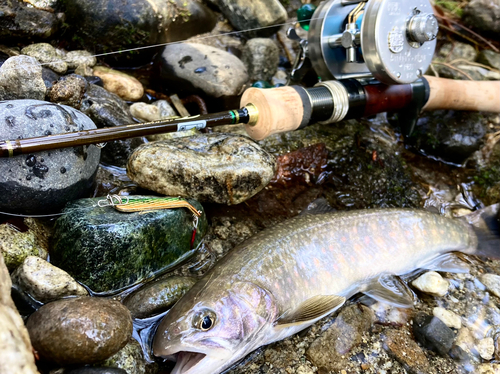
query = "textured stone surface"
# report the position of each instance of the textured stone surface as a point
(431, 283)
(47, 55)
(489, 58)
(432, 333)
(158, 296)
(122, 84)
(130, 359)
(21, 78)
(107, 109)
(107, 250)
(15, 348)
(45, 181)
(16, 245)
(483, 15)
(74, 59)
(80, 330)
(221, 168)
(196, 66)
(261, 57)
(68, 90)
(492, 283)
(328, 352)
(403, 348)
(45, 282)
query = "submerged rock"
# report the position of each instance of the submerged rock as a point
(16, 354)
(122, 84)
(449, 318)
(17, 244)
(81, 330)
(193, 66)
(431, 283)
(403, 348)
(45, 181)
(108, 110)
(432, 333)
(157, 296)
(130, 359)
(44, 282)
(108, 250)
(21, 78)
(221, 168)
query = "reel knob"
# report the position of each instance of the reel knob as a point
(423, 28)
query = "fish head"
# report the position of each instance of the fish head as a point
(210, 328)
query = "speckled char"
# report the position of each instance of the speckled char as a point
(107, 250)
(220, 168)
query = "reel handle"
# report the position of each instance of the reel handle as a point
(463, 95)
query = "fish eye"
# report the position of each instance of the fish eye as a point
(204, 320)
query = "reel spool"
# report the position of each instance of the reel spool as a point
(392, 41)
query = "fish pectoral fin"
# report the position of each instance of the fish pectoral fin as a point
(318, 206)
(449, 262)
(313, 308)
(390, 289)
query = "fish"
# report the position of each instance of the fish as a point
(285, 278)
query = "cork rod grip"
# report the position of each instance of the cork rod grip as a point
(463, 95)
(280, 110)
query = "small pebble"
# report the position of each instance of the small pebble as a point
(492, 283)
(486, 348)
(449, 318)
(431, 283)
(124, 85)
(145, 112)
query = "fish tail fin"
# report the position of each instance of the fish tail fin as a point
(486, 225)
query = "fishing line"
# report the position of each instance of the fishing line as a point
(180, 41)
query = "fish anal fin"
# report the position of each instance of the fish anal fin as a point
(390, 289)
(311, 309)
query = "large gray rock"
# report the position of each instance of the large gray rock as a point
(81, 330)
(44, 181)
(113, 25)
(198, 66)
(483, 15)
(261, 56)
(21, 78)
(107, 109)
(15, 348)
(221, 168)
(252, 14)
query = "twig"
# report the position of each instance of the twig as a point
(474, 64)
(453, 68)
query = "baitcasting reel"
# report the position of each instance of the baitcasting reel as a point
(392, 41)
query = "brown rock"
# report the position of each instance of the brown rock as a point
(68, 90)
(403, 348)
(328, 352)
(80, 330)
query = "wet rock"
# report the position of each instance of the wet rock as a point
(16, 354)
(487, 369)
(492, 283)
(108, 110)
(432, 333)
(68, 90)
(193, 66)
(165, 109)
(81, 330)
(328, 352)
(19, 21)
(403, 348)
(16, 244)
(21, 78)
(45, 181)
(449, 318)
(452, 136)
(130, 358)
(486, 348)
(489, 58)
(47, 55)
(483, 15)
(221, 168)
(124, 85)
(467, 346)
(79, 58)
(261, 57)
(252, 14)
(221, 37)
(431, 283)
(386, 314)
(113, 25)
(107, 250)
(145, 112)
(95, 370)
(45, 282)
(158, 296)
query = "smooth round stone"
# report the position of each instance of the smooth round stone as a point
(220, 168)
(45, 181)
(124, 85)
(145, 112)
(47, 55)
(21, 78)
(77, 58)
(492, 283)
(431, 283)
(80, 330)
(157, 297)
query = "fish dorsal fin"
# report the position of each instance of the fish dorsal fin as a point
(390, 289)
(318, 206)
(449, 262)
(311, 309)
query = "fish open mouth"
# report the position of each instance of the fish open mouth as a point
(185, 361)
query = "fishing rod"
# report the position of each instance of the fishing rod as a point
(371, 56)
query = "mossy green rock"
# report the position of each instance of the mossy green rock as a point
(108, 250)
